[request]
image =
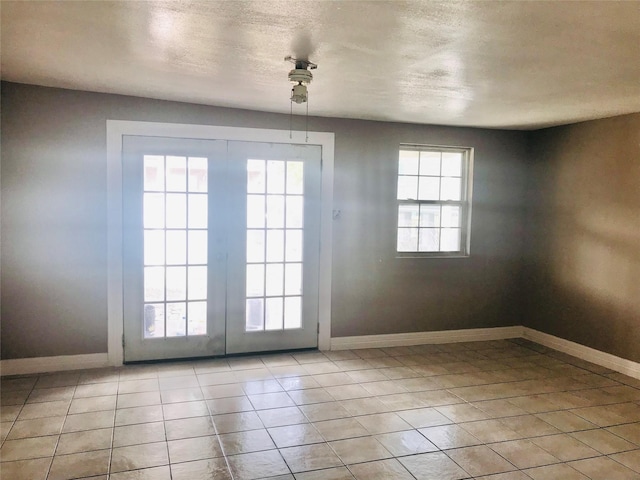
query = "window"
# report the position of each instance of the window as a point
(434, 201)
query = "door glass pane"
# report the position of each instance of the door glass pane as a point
(256, 176)
(197, 315)
(255, 246)
(197, 246)
(255, 314)
(255, 280)
(176, 210)
(153, 210)
(275, 245)
(176, 247)
(198, 176)
(293, 279)
(275, 279)
(176, 319)
(293, 246)
(294, 211)
(275, 211)
(292, 312)
(176, 174)
(176, 283)
(154, 320)
(255, 211)
(154, 247)
(295, 178)
(197, 211)
(153, 173)
(171, 243)
(274, 314)
(197, 283)
(153, 284)
(275, 176)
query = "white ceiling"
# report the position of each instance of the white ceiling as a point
(476, 63)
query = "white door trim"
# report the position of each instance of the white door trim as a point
(117, 128)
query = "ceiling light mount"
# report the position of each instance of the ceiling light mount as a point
(300, 76)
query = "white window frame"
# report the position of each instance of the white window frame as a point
(465, 203)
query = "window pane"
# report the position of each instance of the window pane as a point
(255, 211)
(293, 279)
(408, 215)
(450, 216)
(292, 312)
(450, 189)
(293, 246)
(153, 210)
(450, 240)
(275, 245)
(154, 320)
(295, 177)
(408, 164)
(275, 176)
(176, 319)
(197, 211)
(197, 246)
(176, 210)
(451, 164)
(176, 283)
(429, 215)
(430, 163)
(256, 176)
(407, 188)
(255, 245)
(197, 283)
(274, 314)
(429, 239)
(176, 247)
(154, 247)
(255, 314)
(407, 239)
(275, 211)
(295, 211)
(429, 188)
(153, 284)
(198, 174)
(153, 173)
(275, 279)
(176, 174)
(197, 318)
(255, 280)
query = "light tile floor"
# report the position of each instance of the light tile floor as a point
(501, 410)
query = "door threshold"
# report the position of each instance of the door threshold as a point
(219, 357)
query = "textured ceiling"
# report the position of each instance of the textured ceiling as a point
(487, 64)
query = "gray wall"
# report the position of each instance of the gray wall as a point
(54, 212)
(582, 268)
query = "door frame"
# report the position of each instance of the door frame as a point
(116, 129)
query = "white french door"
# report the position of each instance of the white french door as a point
(221, 247)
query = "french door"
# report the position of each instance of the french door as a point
(221, 247)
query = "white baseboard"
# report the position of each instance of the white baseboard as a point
(421, 338)
(583, 352)
(24, 366)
